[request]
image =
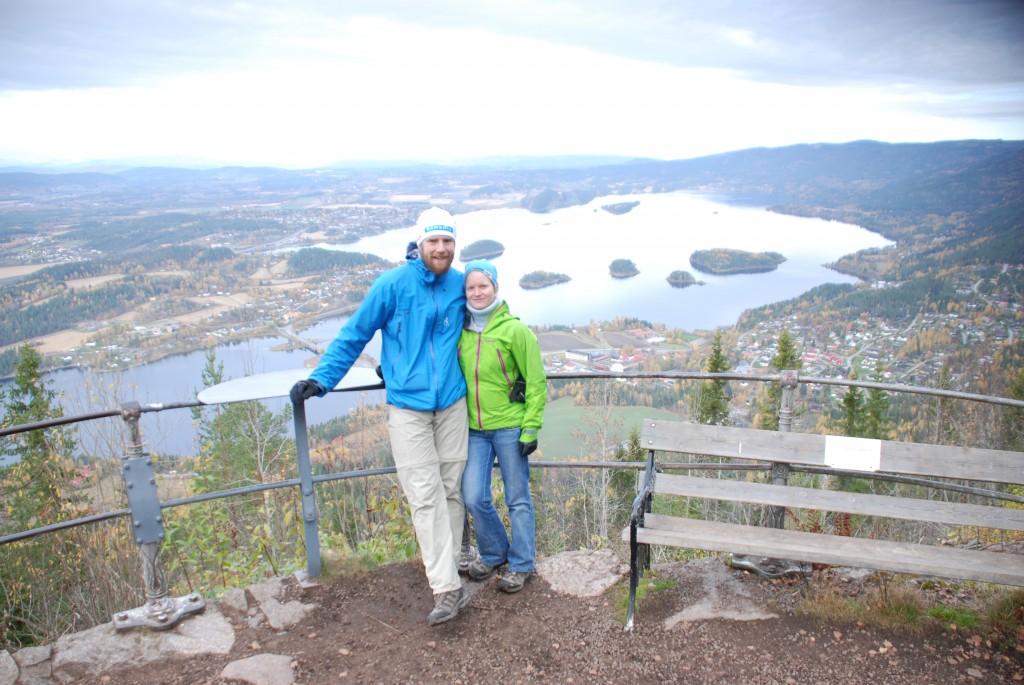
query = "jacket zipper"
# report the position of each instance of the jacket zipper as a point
(476, 382)
(504, 371)
(433, 358)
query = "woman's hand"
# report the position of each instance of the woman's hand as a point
(527, 448)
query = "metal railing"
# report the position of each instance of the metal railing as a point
(145, 508)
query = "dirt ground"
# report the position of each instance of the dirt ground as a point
(371, 627)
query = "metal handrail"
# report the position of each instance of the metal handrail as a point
(162, 612)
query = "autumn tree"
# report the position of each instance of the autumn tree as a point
(239, 539)
(597, 506)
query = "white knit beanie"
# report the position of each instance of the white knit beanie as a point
(434, 221)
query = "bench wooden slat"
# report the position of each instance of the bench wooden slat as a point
(967, 463)
(953, 513)
(946, 562)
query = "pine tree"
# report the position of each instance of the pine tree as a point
(1013, 422)
(877, 423)
(786, 357)
(36, 487)
(39, 577)
(711, 401)
(853, 410)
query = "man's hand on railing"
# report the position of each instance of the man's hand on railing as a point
(303, 390)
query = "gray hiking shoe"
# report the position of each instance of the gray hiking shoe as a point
(512, 581)
(467, 557)
(478, 570)
(447, 605)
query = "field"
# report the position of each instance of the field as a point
(561, 418)
(19, 271)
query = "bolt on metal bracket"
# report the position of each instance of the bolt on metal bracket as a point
(160, 614)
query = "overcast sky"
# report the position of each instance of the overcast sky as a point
(302, 83)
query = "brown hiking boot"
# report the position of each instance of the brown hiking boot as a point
(512, 581)
(478, 570)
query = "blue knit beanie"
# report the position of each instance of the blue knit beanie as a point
(483, 265)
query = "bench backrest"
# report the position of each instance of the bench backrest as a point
(966, 463)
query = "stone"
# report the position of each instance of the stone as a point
(235, 599)
(8, 668)
(583, 573)
(261, 669)
(280, 615)
(34, 661)
(80, 657)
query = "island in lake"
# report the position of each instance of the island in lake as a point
(723, 261)
(620, 207)
(682, 279)
(481, 249)
(623, 268)
(541, 279)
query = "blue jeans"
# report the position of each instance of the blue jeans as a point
(491, 538)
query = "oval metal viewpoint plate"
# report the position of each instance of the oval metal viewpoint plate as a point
(277, 384)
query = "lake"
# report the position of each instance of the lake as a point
(658, 235)
(178, 378)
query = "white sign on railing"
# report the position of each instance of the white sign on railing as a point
(853, 454)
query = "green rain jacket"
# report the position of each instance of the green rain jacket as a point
(491, 362)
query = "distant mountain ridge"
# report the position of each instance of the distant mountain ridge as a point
(886, 187)
(869, 171)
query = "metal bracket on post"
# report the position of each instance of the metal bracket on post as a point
(160, 612)
(309, 516)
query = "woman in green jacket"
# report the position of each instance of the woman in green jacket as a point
(501, 360)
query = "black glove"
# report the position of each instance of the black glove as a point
(303, 390)
(527, 448)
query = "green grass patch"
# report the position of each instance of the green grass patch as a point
(893, 607)
(1005, 618)
(959, 617)
(998, 615)
(649, 585)
(561, 417)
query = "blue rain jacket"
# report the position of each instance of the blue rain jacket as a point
(419, 315)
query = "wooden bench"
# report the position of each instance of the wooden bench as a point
(829, 455)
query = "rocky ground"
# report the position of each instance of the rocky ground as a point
(713, 625)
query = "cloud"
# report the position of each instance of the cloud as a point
(305, 82)
(63, 43)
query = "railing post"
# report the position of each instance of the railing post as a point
(788, 378)
(160, 612)
(767, 566)
(780, 472)
(309, 515)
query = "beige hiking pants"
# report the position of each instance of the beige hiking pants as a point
(430, 450)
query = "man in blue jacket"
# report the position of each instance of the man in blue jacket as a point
(418, 308)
